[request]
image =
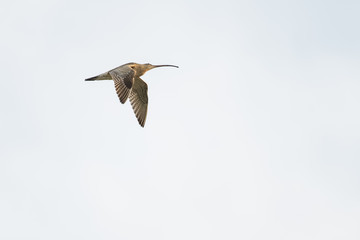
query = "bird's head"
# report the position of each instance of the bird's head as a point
(141, 69)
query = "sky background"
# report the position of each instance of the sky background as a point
(255, 136)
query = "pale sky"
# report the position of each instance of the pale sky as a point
(255, 136)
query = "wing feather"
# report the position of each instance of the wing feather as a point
(123, 79)
(139, 100)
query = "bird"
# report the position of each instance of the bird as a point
(128, 84)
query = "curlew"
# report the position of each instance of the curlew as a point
(128, 84)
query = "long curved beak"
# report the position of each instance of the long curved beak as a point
(155, 66)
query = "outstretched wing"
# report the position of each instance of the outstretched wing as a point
(123, 78)
(139, 100)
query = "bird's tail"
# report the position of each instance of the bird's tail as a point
(104, 76)
(91, 79)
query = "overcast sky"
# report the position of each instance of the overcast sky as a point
(255, 136)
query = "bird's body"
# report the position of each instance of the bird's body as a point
(128, 84)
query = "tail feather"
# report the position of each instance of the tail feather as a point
(91, 79)
(104, 76)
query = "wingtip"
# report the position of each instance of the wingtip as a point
(142, 124)
(123, 100)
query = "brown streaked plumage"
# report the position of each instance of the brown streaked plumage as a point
(128, 84)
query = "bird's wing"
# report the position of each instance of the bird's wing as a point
(139, 100)
(123, 78)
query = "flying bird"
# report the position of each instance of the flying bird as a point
(128, 84)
